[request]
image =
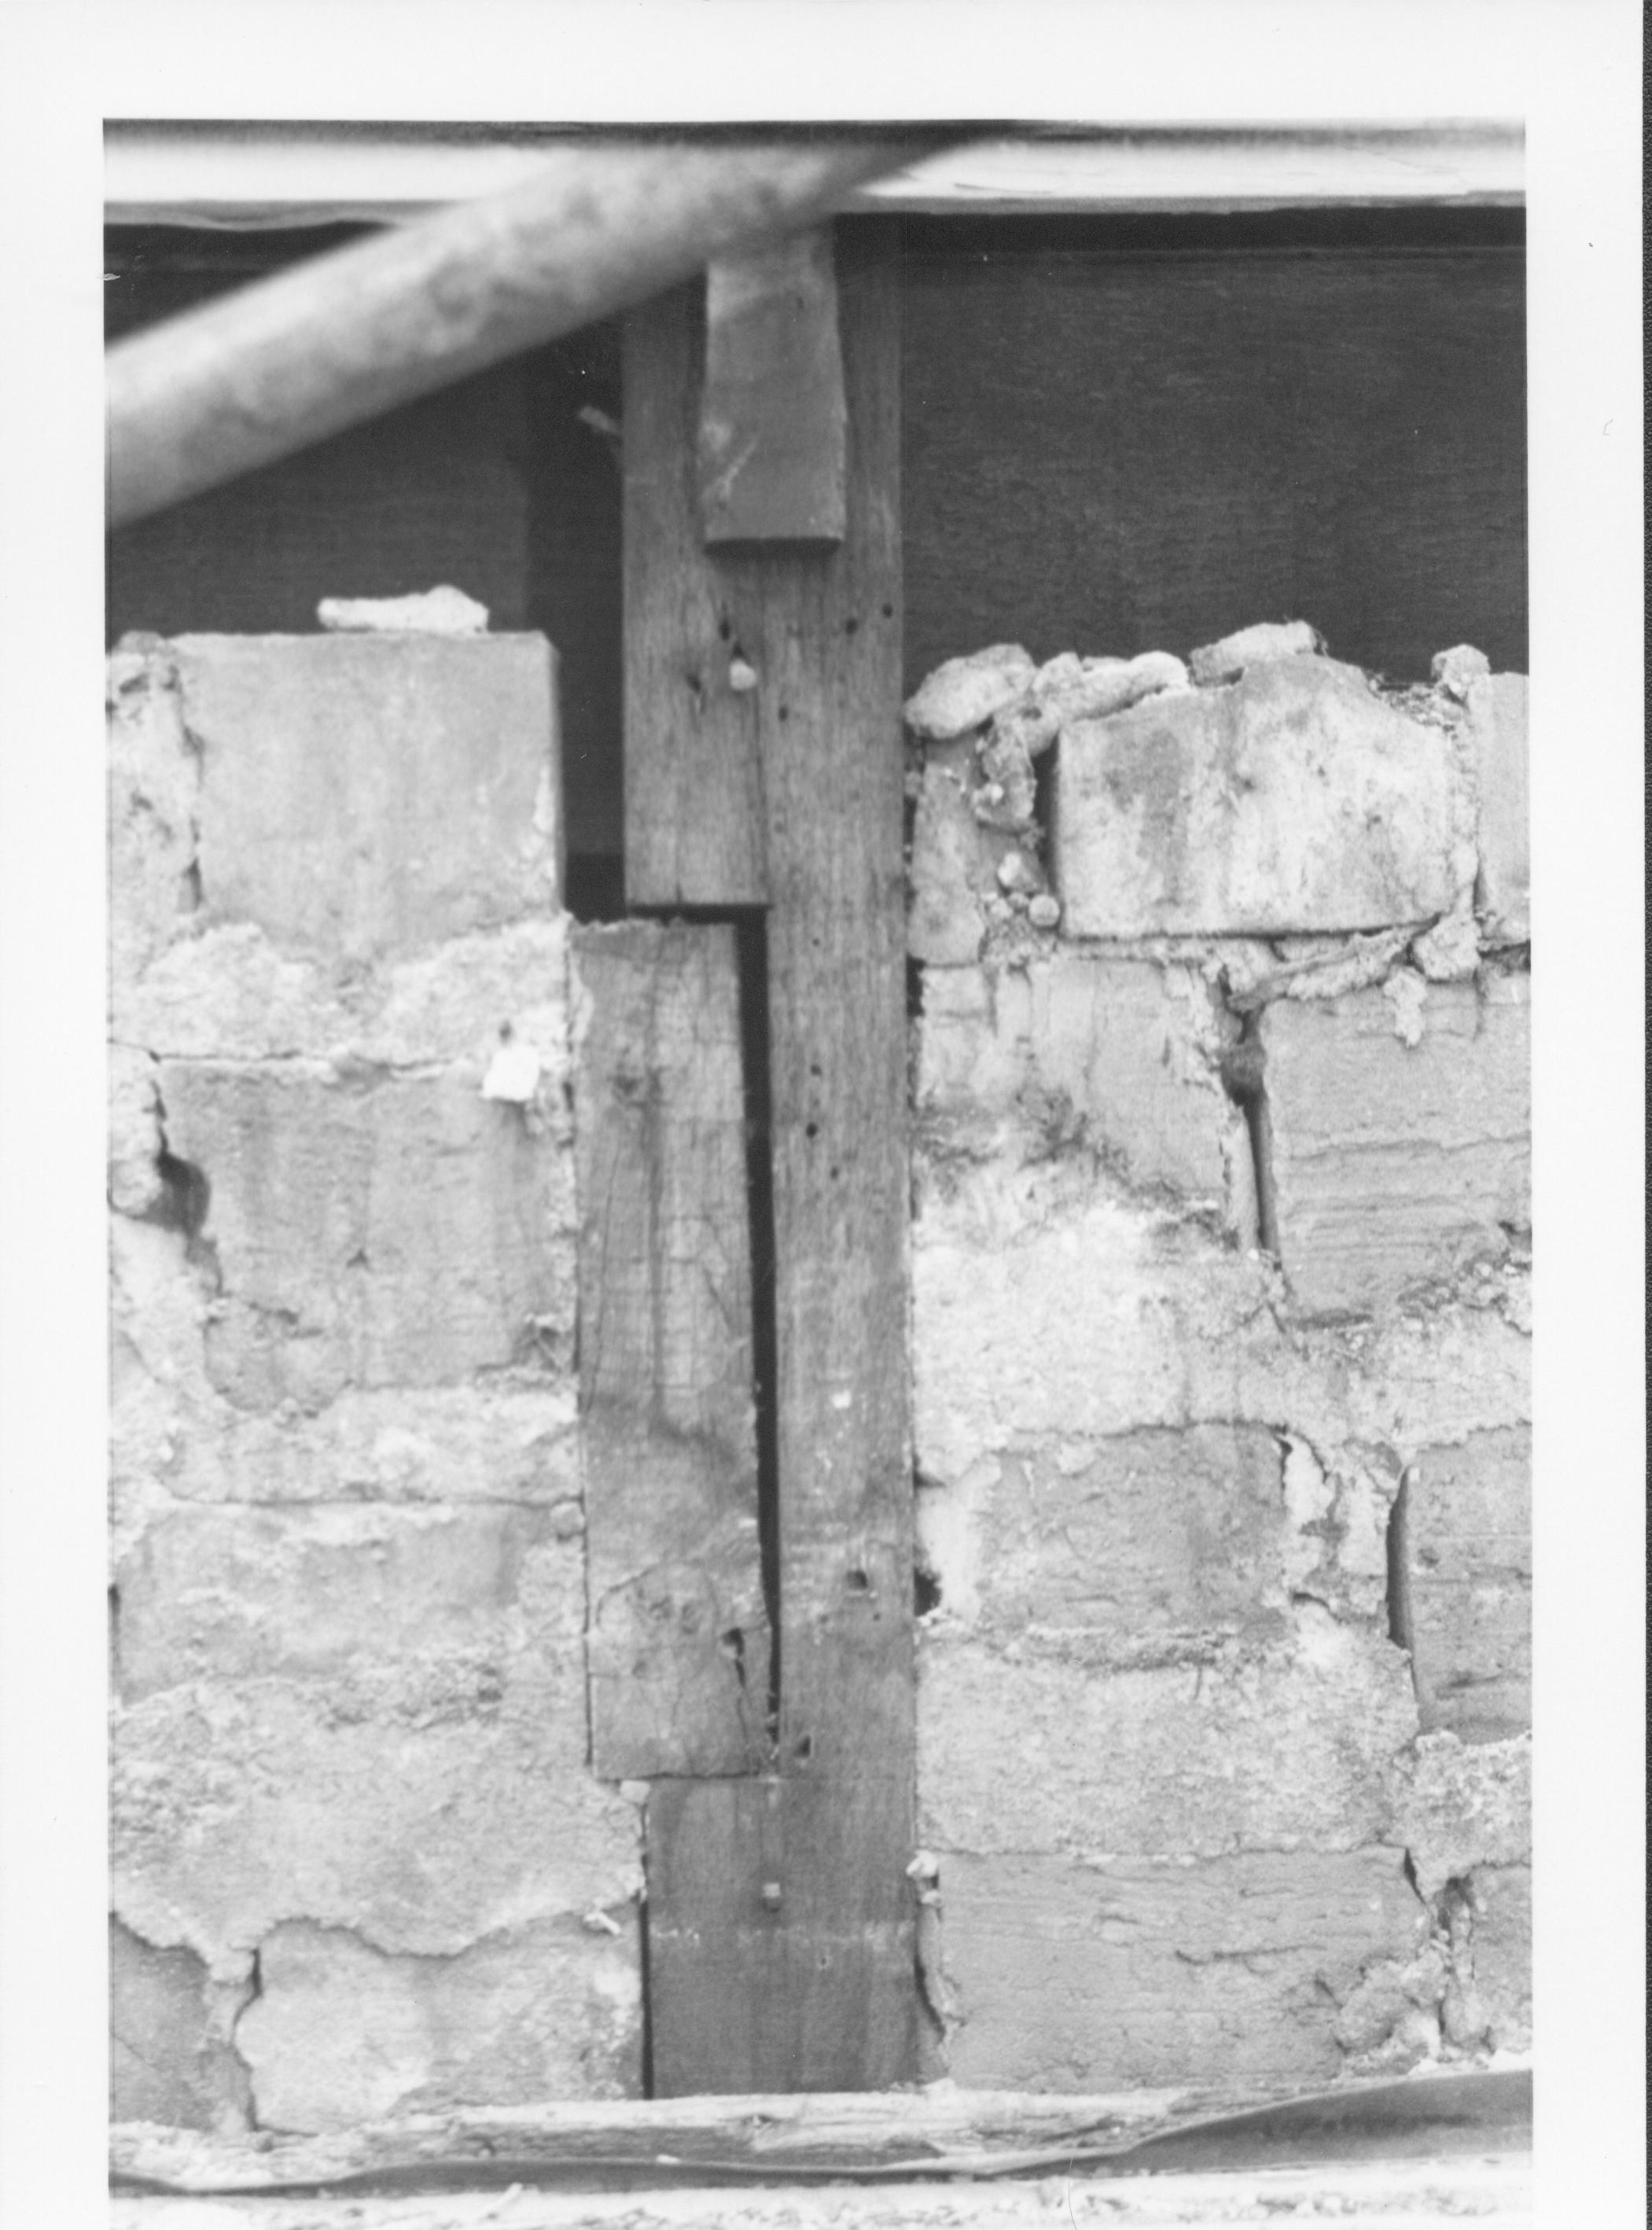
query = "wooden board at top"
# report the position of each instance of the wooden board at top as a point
(771, 421)
(677, 1642)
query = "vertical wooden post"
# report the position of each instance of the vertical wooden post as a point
(782, 1922)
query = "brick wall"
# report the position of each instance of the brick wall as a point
(1220, 1266)
(360, 1866)
(1220, 1262)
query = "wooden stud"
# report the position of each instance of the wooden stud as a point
(678, 1643)
(825, 1977)
(771, 419)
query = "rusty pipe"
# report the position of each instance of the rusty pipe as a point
(288, 360)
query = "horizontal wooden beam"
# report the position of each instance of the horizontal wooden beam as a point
(592, 230)
(250, 176)
(891, 2137)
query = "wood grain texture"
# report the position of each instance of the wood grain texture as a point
(772, 420)
(825, 1981)
(677, 1642)
(764, 1967)
(694, 797)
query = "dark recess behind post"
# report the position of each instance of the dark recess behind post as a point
(1120, 433)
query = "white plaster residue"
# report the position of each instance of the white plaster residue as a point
(1406, 994)
(514, 1072)
(948, 1535)
(435, 611)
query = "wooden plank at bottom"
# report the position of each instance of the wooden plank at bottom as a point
(766, 1962)
(678, 1643)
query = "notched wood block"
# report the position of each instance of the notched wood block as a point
(773, 423)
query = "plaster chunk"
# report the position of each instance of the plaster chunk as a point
(433, 611)
(1296, 800)
(964, 693)
(135, 1141)
(1253, 646)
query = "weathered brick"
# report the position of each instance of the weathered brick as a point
(343, 2034)
(1459, 1806)
(1143, 1543)
(136, 1186)
(1471, 1582)
(506, 1441)
(1497, 718)
(1395, 1162)
(392, 1742)
(1294, 799)
(1126, 1972)
(1122, 1053)
(154, 790)
(954, 864)
(1040, 1747)
(1046, 1302)
(1501, 1902)
(169, 2059)
(234, 1593)
(371, 1228)
(230, 994)
(362, 794)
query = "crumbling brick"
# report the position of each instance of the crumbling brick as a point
(1119, 1972)
(954, 864)
(1401, 1136)
(1295, 799)
(238, 1593)
(1226, 661)
(1497, 718)
(1470, 1524)
(344, 2033)
(371, 1226)
(169, 2059)
(230, 994)
(1122, 1053)
(1042, 1748)
(1460, 1806)
(966, 691)
(376, 1719)
(1141, 1543)
(1500, 1901)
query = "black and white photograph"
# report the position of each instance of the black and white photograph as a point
(824, 1406)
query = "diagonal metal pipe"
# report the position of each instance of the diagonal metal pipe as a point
(285, 362)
